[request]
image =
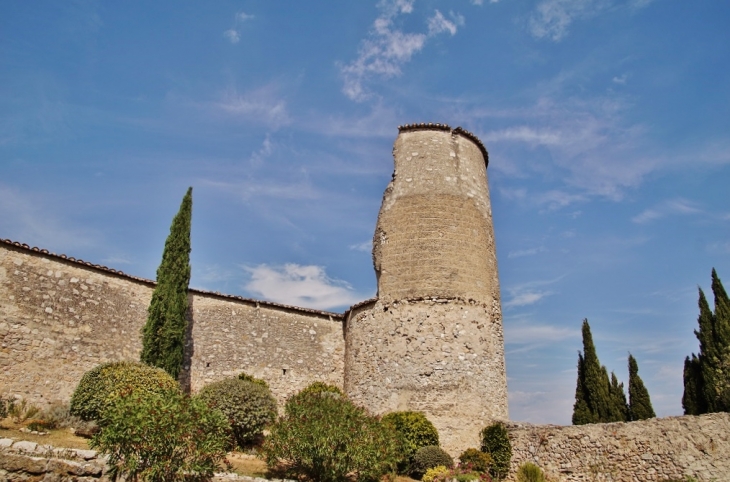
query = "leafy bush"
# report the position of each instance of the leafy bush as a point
(495, 442)
(428, 458)
(102, 385)
(415, 431)
(529, 472)
(475, 460)
(435, 472)
(325, 437)
(248, 406)
(318, 387)
(162, 437)
(250, 378)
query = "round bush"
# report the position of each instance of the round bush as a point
(495, 442)
(248, 406)
(529, 472)
(325, 437)
(250, 378)
(428, 458)
(475, 460)
(414, 431)
(102, 385)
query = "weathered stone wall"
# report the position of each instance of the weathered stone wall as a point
(60, 317)
(650, 450)
(433, 341)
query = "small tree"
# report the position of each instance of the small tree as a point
(639, 402)
(162, 438)
(415, 431)
(163, 336)
(593, 401)
(619, 407)
(495, 442)
(325, 437)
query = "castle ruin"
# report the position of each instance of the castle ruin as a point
(431, 341)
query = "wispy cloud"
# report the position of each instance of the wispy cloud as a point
(33, 220)
(299, 285)
(365, 246)
(387, 48)
(248, 189)
(528, 293)
(552, 18)
(526, 252)
(233, 34)
(262, 105)
(529, 334)
(667, 208)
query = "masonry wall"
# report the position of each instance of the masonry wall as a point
(60, 317)
(433, 341)
(650, 450)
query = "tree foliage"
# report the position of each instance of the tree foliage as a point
(162, 438)
(163, 336)
(639, 401)
(496, 443)
(707, 374)
(415, 431)
(101, 386)
(324, 437)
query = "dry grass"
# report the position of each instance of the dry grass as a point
(58, 438)
(245, 464)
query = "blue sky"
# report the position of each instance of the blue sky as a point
(606, 122)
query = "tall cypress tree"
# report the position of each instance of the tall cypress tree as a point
(163, 336)
(639, 402)
(707, 374)
(594, 384)
(619, 407)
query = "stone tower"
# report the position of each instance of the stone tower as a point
(432, 341)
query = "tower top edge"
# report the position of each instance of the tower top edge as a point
(429, 126)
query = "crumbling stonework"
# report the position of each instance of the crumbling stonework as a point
(60, 317)
(433, 340)
(649, 450)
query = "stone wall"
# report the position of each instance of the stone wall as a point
(650, 450)
(60, 317)
(433, 340)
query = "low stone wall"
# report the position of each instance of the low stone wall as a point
(22, 461)
(650, 450)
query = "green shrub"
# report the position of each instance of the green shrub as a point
(428, 458)
(435, 472)
(161, 437)
(318, 387)
(475, 460)
(415, 431)
(323, 436)
(495, 442)
(529, 472)
(248, 406)
(250, 378)
(102, 385)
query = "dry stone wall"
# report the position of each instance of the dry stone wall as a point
(60, 317)
(657, 449)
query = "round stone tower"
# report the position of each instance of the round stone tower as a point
(432, 341)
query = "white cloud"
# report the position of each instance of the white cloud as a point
(667, 208)
(261, 105)
(526, 252)
(552, 18)
(365, 246)
(232, 36)
(260, 188)
(530, 334)
(387, 48)
(297, 285)
(620, 80)
(528, 293)
(33, 220)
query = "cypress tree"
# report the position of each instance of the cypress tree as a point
(594, 384)
(707, 374)
(639, 402)
(619, 407)
(163, 336)
(581, 413)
